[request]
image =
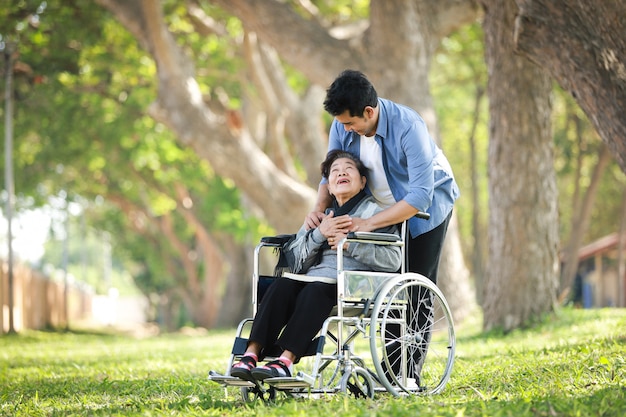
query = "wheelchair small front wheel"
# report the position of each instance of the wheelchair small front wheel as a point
(251, 394)
(412, 338)
(357, 383)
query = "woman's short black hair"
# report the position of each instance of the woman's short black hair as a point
(335, 154)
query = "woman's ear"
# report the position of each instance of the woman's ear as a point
(363, 181)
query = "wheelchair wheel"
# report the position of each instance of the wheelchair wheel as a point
(412, 339)
(251, 394)
(358, 383)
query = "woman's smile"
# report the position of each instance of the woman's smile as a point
(344, 180)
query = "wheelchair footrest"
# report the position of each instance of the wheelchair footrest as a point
(301, 380)
(229, 381)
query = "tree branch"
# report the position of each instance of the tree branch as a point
(272, 19)
(180, 106)
(582, 45)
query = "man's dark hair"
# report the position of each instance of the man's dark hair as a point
(335, 154)
(350, 91)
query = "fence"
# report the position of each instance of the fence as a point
(39, 302)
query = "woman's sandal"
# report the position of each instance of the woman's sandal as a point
(242, 368)
(271, 370)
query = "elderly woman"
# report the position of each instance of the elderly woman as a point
(299, 304)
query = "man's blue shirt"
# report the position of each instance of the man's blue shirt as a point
(416, 169)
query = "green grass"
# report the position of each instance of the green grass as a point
(572, 364)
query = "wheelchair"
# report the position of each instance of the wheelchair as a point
(389, 332)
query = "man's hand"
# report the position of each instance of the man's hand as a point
(313, 219)
(324, 200)
(361, 225)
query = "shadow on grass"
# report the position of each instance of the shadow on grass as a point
(609, 402)
(563, 319)
(45, 334)
(115, 396)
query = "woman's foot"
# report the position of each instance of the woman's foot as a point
(242, 368)
(273, 369)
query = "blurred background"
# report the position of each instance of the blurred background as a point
(147, 149)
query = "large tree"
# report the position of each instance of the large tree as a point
(168, 210)
(580, 44)
(521, 280)
(414, 28)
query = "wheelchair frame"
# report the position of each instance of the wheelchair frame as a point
(406, 323)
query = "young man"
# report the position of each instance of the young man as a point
(407, 172)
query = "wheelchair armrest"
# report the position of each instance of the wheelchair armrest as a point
(381, 237)
(277, 240)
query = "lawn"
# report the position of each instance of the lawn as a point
(572, 364)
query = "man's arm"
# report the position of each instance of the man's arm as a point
(395, 214)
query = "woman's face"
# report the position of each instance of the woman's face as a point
(344, 180)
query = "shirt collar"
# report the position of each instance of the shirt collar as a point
(381, 129)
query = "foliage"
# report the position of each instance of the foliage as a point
(82, 133)
(566, 366)
(89, 257)
(458, 78)
(577, 148)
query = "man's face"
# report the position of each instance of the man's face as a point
(363, 125)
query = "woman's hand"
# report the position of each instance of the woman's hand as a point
(332, 228)
(334, 241)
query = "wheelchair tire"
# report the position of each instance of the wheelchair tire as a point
(357, 383)
(412, 343)
(251, 394)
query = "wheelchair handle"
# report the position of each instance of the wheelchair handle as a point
(423, 215)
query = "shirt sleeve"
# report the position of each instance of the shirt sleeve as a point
(302, 252)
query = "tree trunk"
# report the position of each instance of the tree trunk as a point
(478, 247)
(406, 81)
(454, 277)
(521, 279)
(621, 259)
(580, 224)
(582, 45)
(237, 295)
